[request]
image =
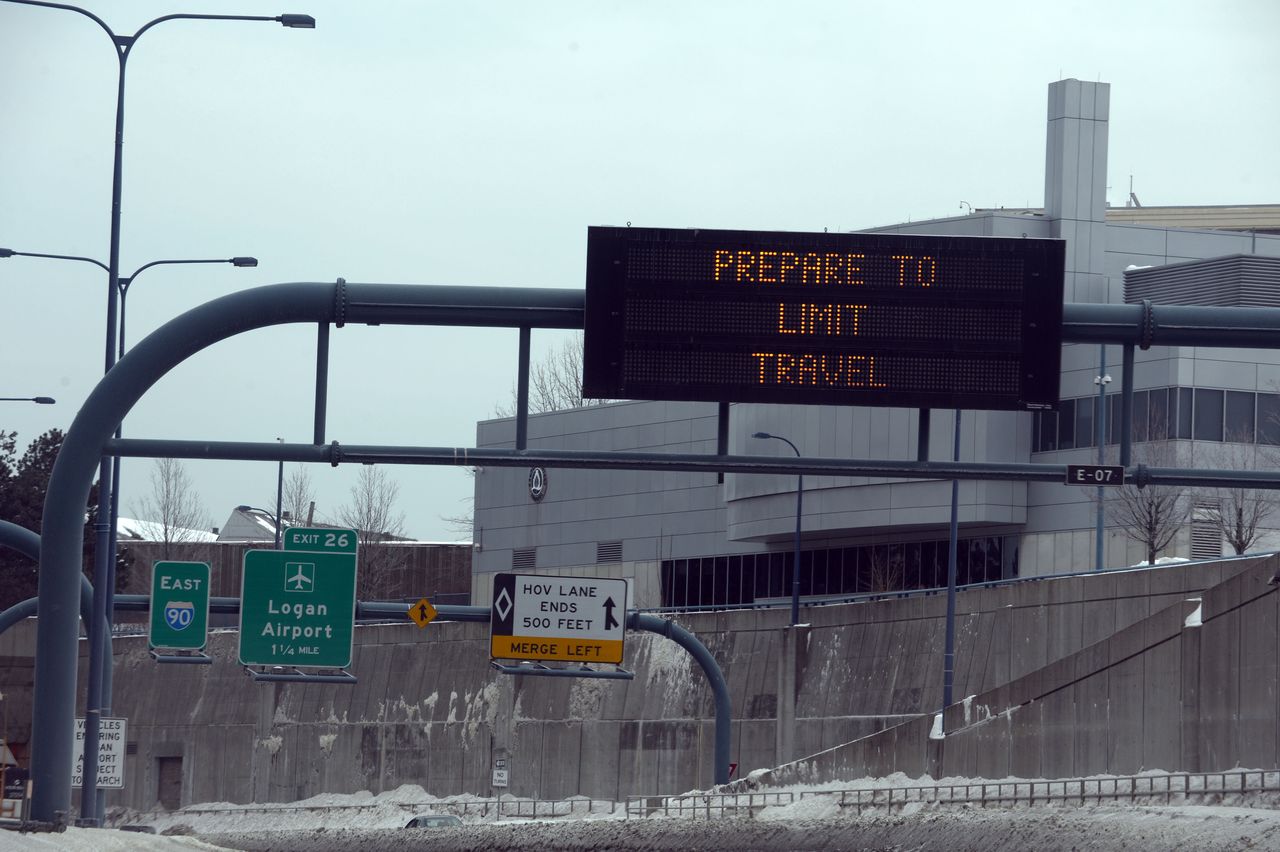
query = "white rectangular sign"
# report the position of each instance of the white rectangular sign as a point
(544, 617)
(111, 745)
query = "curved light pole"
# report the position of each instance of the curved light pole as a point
(104, 567)
(795, 573)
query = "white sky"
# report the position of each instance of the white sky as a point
(461, 143)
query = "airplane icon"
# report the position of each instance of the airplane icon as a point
(304, 578)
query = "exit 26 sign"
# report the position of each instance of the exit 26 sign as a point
(541, 617)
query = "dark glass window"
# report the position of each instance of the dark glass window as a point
(1141, 411)
(1208, 415)
(931, 576)
(816, 566)
(1049, 431)
(1185, 412)
(912, 569)
(1238, 426)
(1159, 414)
(1268, 418)
(1113, 419)
(1067, 424)
(1084, 422)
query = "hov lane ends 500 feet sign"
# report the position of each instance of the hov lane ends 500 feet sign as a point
(541, 617)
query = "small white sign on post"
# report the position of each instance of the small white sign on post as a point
(112, 735)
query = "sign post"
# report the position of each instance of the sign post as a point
(297, 608)
(179, 605)
(543, 617)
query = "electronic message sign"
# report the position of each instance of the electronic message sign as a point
(844, 319)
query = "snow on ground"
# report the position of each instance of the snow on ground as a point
(814, 820)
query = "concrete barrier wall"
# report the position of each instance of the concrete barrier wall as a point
(429, 709)
(1191, 687)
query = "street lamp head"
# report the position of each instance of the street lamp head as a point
(297, 22)
(4, 252)
(761, 435)
(244, 261)
(43, 400)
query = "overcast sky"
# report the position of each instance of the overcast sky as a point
(468, 143)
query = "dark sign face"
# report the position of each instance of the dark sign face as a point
(834, 319)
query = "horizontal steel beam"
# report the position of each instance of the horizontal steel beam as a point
(334, 454)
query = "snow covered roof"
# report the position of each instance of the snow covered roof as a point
(130, 529)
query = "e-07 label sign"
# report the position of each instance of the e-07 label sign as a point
(1095, 474)
(577, 619)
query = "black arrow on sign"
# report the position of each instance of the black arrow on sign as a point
(422, 612)
(609, 620)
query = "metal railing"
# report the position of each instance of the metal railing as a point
(483, 809)
(1172, 788)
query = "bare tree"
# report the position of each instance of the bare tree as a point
(464, 524)
(299, 496)
(555, 382)
(1238, 512)
(372, 514)
(174, 505)
(887, 568)
(1151, 515)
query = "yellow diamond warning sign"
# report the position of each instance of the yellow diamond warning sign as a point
(422, 613)
(572, 619)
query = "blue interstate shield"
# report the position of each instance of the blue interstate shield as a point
(179, 614)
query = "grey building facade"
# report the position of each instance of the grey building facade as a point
(701, 539)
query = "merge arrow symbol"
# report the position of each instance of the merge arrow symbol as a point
(609, 621)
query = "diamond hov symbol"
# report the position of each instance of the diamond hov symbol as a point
(503, 604)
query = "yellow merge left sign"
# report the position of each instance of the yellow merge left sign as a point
(422, 613)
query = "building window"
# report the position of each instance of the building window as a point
(868, 569)
(1084, 422)
(1142, 416)
(1238, 424)
(1048, 431)
(1159, 414)
(1208, 415)
(1185, 412)
(1066, 424)
(1269, 418)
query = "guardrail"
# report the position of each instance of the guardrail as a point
(495, 809)
(1172, 788)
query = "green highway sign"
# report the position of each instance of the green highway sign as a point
(320, 540)
(297, 608)
(179, 605)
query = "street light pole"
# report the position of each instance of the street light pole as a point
(795, 573)
(279, 495)
(91, 807)
(1101, 380)
(38, 400)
